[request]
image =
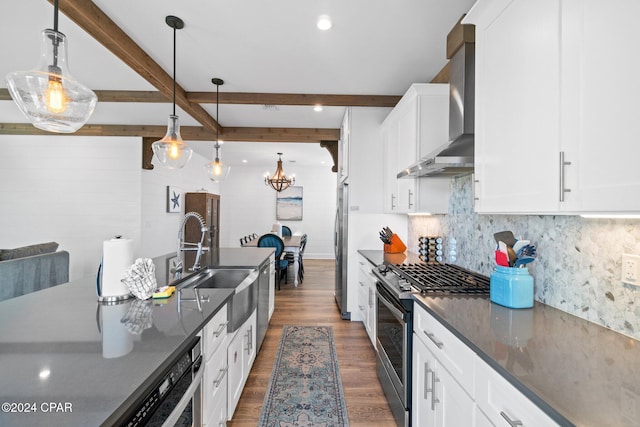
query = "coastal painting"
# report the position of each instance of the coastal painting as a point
(289, 204)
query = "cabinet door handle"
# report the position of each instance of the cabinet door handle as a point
(512, 423)
(434, 399)
(221, 329)
(393, 198)
(410, 194)
(249, 339)
(475, 189)
(432, 337)
(427, 390)
(221, 375)
(563, 163)
(361, 284)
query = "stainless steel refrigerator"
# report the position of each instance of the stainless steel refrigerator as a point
(340, 247)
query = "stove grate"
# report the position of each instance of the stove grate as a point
(436, 278)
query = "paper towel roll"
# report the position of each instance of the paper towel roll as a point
(117, 257)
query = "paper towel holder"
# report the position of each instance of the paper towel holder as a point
(108, 300)
(111, 299)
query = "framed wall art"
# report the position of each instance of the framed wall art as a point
(174, 199)
(289, 204)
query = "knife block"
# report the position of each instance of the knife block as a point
(397, 246)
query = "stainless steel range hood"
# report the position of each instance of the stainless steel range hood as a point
(456, 156)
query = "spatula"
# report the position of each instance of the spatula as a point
(505, 236)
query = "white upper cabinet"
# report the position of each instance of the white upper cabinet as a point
(417, 125)
(364, 155)
(556, 85)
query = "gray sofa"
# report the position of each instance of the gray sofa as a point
(32, 268)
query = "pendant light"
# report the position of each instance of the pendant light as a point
(279, 180)
(49, 96)
(171, 150)
(216, 170)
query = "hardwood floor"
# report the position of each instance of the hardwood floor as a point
(312, 303)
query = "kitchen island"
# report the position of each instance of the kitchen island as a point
(67, 360)
(577, 372)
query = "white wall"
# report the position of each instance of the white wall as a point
(159, 234)
(80, 191)
(248, 206)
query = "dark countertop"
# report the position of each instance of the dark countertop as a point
(60, 345)
(580, 373)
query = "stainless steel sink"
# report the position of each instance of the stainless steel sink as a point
(225, 278)
(243, 280)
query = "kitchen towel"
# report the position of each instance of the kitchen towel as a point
(117, 257)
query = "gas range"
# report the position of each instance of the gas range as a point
(431, 279)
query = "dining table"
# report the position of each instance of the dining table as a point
(291, 244)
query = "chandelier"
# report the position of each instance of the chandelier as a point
(279, 180)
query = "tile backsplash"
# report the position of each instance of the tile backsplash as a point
(579, 260)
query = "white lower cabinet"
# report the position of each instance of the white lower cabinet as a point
(453, 386)
(367, 297)
(214, 390)
(439, 398)
(214, 385)
(272, 285)
(503, 404)
(240, 356)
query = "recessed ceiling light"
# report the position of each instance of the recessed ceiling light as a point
(317, 108)
(244, 160)
(324, 22)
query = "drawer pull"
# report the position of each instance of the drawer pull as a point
(512, 423)
(221, 329)
(218, 380)
(432, 337)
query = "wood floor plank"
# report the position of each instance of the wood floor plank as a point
(312, 303)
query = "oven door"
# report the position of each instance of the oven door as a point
(393, 343)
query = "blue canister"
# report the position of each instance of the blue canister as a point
(511, 287)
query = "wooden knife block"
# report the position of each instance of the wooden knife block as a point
(397, 246)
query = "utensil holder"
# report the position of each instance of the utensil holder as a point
(396, 246)
(511, 287)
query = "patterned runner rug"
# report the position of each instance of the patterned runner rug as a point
(305, 388)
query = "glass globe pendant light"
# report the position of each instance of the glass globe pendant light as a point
(216, 170)
(49, 96)
(171, 151)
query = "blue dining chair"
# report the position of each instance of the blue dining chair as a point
(273, 241)
(286, 231)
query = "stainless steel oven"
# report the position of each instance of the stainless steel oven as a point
(394, 288)
(175, 398)
(394, 327)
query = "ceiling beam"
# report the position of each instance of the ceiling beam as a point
(298, 99)
(295, 99)
(188, 133)
(279, 134)
(97, 24)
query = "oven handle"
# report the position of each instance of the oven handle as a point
(172, 418)
(390, 306)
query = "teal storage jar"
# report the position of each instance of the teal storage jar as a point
(511, 287)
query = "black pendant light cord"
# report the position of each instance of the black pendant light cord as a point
(55, 15)
(174, 70)
(217, 118)
(55, 38)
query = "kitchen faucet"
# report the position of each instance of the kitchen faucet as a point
(187, 246)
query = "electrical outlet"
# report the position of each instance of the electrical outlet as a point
(631, 269)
